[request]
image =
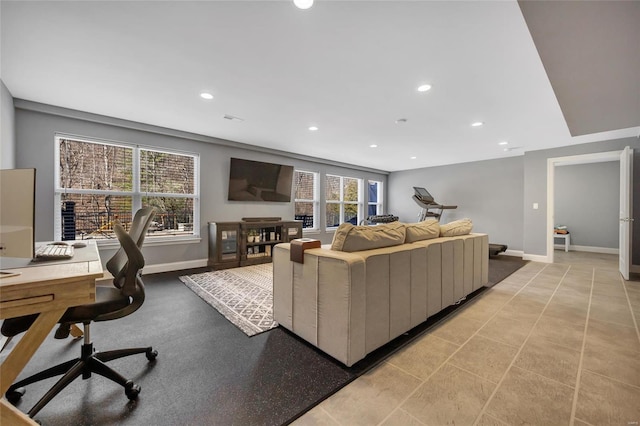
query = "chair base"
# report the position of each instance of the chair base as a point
(89, 362)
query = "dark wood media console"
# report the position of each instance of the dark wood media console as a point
(248, 242)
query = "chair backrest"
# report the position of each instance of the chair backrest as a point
(139, 226)
(128, 261)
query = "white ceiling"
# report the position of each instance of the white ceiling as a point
(349, 67)
(591, 53)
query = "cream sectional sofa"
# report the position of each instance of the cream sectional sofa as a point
(349, 303)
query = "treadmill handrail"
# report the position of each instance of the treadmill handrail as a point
(433, 205)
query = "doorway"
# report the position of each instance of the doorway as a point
(552, 163)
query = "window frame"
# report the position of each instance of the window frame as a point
(341, 202)
(315, 201)
(380, 196)
(136, 194)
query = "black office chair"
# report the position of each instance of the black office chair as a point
(124, 298)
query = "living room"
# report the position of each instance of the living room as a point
(505, 193)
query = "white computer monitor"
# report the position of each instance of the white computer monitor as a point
(17, 212)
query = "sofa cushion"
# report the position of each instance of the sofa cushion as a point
(424, 230)
(457, 227)
(352, 238)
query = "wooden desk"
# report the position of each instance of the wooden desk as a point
(48, 289)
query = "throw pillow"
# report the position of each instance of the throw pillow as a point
(352, 238)
(424, 230)
(457, 227)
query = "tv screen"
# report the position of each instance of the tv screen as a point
(257, 181)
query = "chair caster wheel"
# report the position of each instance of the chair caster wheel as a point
(14, 395)
(152, 354)
(132, 390)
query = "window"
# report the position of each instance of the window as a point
(98, 183)
(374, 206)
(343, 197)
(306, 198)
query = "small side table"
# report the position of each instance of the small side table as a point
(299, 245)
(567, 240)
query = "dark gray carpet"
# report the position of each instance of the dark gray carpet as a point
(500, 267)
(207, 372)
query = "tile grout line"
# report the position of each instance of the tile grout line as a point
(403, 370)
(412, 416)
(511, 364)
(329, 415)
(612, 379)
(499, 341)
(585, 422)
(461, 346)
(496, 420)
(545, 377)
(633, 315)
(454, 365)
(574, 403)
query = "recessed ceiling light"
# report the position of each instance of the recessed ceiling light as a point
(401, 120)
(313, 128)
(477, 124)
(424, 88)
(206, 95)
(503, 143)
(303, 4)
(373, 145)
(413, 158)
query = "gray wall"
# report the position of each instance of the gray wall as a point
(496, 194)
(7, 129)
(535, 191)
(36, 125)
(587, 201)
(489, 192)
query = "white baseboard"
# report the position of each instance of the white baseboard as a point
(590, 249)
(536, 258)
(174, 266)
(516, 253)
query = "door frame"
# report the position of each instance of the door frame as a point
(571, 160)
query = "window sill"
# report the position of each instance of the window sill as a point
(153, 241)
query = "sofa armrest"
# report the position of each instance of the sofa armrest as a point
(322, 300)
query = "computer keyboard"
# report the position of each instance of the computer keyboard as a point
(54, 251)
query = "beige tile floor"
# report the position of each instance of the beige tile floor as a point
(553, 344)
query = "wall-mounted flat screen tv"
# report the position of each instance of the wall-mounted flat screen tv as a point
(258, 181)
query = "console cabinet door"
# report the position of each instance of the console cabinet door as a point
(291, 231)
(224, 245)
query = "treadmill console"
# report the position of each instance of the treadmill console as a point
(423, 195)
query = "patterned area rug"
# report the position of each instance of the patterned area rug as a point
(244, 296)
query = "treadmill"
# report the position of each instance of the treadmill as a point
(428, 204)
(430, 208)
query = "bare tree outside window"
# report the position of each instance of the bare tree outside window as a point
(343, 200)
(306, 198)
(100, 183)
